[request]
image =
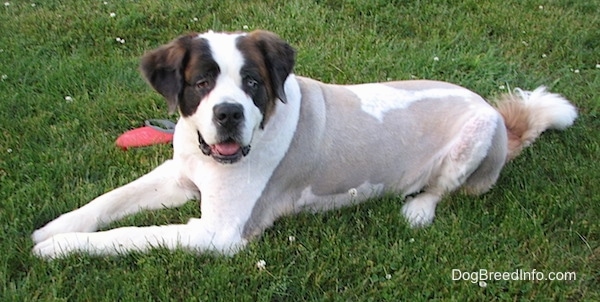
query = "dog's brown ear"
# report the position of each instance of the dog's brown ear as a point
(163, 68)
(279, 57)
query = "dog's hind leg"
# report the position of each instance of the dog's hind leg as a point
(161, 188)
(486, 175)
(464, 156)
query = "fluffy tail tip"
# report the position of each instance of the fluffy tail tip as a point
(529, 113)
(550, 109)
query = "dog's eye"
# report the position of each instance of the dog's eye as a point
(202, 83)
(251, 83)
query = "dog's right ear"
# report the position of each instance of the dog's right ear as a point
(163, 68)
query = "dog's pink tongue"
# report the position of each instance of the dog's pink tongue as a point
(227, 148)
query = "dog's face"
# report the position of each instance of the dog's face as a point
(226, 85)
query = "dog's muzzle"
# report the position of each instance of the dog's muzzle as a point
(228, 118)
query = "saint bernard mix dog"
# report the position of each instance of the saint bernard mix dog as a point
(255, 142)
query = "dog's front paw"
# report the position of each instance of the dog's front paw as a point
(60, 245)
(66, 223)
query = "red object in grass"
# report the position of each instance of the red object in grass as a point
(152, 133)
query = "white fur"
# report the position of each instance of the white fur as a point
(552, 111)
(377, 99)
(227, 90)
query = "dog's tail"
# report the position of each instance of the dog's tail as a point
(529, 113)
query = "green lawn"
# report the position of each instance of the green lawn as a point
(69, 88)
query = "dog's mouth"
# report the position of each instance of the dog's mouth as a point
(228, 151)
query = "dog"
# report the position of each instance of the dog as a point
(254, 142)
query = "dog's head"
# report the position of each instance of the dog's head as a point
(226, 85)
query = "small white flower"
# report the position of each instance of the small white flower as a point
(32, 4)
(9, 150)
(68, 98)
(245, 27)
(411, 240)
(576, 71)
(482, 284)
(6, 3)
(112, 15)
(502, 87)
(195, 19)
(436, 59)
(388, 276)
(544, 55)
(541, 7)
(4, 77)
(120, 40)
(353, 192)
(598, 66)
(105, 3)
(261, 264)
(291, 238)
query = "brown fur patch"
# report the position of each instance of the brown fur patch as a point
(517, 120)
(162, 68)
(274, 60)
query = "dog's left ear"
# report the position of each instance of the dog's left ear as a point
(163, 68)
(279, 57)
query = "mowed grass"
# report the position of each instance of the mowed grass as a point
(69, 88)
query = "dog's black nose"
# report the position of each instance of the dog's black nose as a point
(228, 115)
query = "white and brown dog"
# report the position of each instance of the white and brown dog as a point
(255, 142)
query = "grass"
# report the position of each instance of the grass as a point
(56, 155)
